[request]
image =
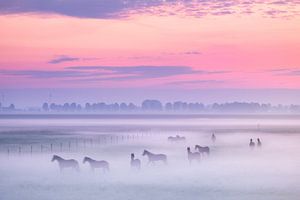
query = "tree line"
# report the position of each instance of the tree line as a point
(150, 105)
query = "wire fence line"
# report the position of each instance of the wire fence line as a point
(78, 144)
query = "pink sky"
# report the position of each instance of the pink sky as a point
(216, 50)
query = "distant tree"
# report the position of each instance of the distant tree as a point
(132, 107)
(116, 107)
(123, 107)
(45, 107)
(152, 105)
(53, 107)
(168, 106)
(73, 107)
(88, 107)
(11, 107)
(66, 107)
(78, 107)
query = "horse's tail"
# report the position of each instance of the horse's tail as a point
(166, 160)
(77, 167)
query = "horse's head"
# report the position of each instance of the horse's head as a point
(145, 152)
(132, 156)
(54, 158)
(85, 159)
(188, 149)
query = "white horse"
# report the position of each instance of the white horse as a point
(193, 155)
(213, 137)
(202, 149)
(63, 163)
(135, 163)
(177, 138)
(155, 157)
(97, 164)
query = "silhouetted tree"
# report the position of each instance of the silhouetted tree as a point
(11, 107)
(152, 105)
(45, 107)
(168, 106)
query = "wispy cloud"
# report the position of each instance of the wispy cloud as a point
(197, 82)
(192, 53)
(111, 73)
(285, 71)
(105, 9)
(43, 73)
(138, 72)
(62, 58)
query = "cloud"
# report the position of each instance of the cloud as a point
(197, 82)
(43, 73)
(285, 71)
(143, 72)
(192, 53)
(62, 58)
(107, 9)
(111, 73)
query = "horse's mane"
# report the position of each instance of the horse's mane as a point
(57, 157)
(88, 158)
(148, 152)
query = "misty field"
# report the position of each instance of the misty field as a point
(232, 170)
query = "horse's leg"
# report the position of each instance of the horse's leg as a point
(76, 168)
(165, 162)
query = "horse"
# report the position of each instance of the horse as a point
(155, 157)
(177, 138)
(135, 163)
(193, 155)
(202, 149)
(251, 144)
(63, 163)
(97, 164)
(213, 137)
(258, 142)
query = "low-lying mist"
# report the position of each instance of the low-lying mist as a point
(232, 170)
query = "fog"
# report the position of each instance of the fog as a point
(231, 171)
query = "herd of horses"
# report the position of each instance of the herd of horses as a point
(136, 163)
(252, 144)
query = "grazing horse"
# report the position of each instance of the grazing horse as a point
(177, 138)
(97, 164)
(213, 137)
(251, 144)
(202, 149)
(155, 157)
(193, 155)
(135, 163)
(258, 142)
(63, 163)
